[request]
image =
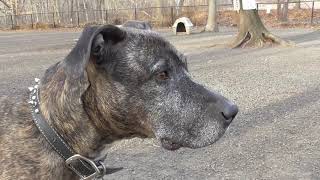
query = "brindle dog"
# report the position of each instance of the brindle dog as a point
(115, 83)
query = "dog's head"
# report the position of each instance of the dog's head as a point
(135, 83)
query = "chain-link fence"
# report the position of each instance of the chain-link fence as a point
(157, 16)
(290, 13)
(307, 13)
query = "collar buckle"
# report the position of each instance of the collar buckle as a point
(99, 170)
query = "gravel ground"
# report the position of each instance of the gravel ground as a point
(275, 136)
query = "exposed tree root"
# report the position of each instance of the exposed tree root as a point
(254, 39)
(252, 32)
(250, 39)
(277, 40)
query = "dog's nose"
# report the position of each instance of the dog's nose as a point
(229, 111)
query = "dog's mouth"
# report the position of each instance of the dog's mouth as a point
(169, 145)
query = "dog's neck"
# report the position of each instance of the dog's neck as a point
(69, 107)
(71, 122)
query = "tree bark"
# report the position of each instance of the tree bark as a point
(5, 4)
(298, 5)
(14, 11)
(159, 5)
(212, 24)
(56, 9)
(252, 32)
(85, 10)
(71, 11)
(279, 16)
(180, 4)
(101, 4)
(284, 17)
(47, 10)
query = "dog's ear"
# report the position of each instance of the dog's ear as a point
(92, 42)
(64, 84)
(103, 42)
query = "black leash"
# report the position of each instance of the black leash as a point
(84, 167)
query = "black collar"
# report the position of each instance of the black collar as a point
(82, 166)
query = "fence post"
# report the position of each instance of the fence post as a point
(107, 18)
(78, 19)
(135, 13)
(312, 12)
(257, 7)
(12, 25)
(54, 23)
(172, 20)
(31, 16)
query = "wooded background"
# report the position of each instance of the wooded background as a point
(15, 14)
(70, 13)
(18, 7)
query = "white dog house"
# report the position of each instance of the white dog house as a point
(182, 25)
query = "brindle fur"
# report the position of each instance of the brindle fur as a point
(109, 88)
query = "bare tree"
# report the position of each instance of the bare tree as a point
(71, 10)
(282, 10)
(179, 4)
(252, 32)
(5, 3)
(159, 4)
(14, 12)
(85, 10)
(298, 4)
(212, 24)
(279, 10)
(7, 7)
(63, 11)
(284, 13)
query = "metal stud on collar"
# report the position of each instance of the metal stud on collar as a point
(37, 80)
(34, 99)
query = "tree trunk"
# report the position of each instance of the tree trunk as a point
(160, 17)
(47, 11)
(284, 17)
(181, 2)
(252, 32)
(101, 4)
(298, 5)
(5, 3)
(279, 16)
(179, 7)
(71, 11)
(57, 10)
(212, 24)
(85, 10)
(14, 12)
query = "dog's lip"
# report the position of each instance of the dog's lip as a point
(227, 129)
(169, 145)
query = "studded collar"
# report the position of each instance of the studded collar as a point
(84, 167)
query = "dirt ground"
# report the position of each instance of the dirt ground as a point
(275, 136)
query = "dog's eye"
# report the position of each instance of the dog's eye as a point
(163, 75)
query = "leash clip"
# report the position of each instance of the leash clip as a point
(99, 170)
